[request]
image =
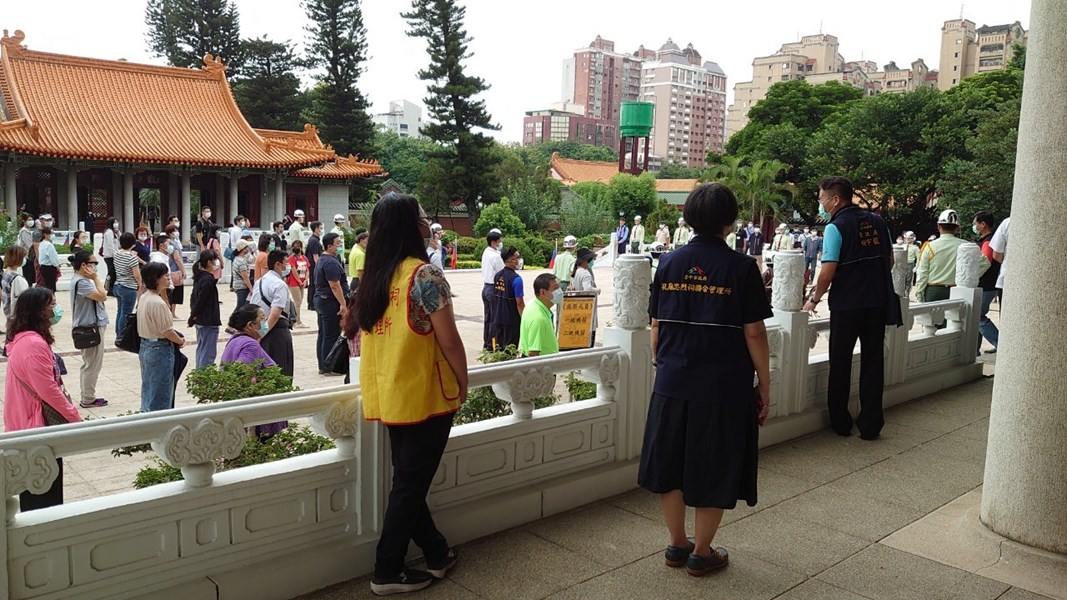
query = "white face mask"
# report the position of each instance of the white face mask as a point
(29, 222)
(557, 296)
(142, 237)
(207, 215)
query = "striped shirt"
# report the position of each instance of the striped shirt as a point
(125, 263)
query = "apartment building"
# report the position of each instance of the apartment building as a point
(403, 118)
(567, 121)
(968, 50)
(690, 98)
(896, 80)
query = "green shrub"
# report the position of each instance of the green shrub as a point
(482, 403)
(594, 241)
(466, 257)
(580, 389)
(217, 383)
(468, 264)
(466, 245)
(535, 251)
(499, 216)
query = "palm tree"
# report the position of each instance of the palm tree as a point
(755, 184)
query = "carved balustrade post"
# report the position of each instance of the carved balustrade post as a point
(633, 276)
(195, 451)
(896, 339)
(787, 287)
(33, 470)
(901, 271)
(606, 375)
(341, 424)
(629, 330)
(523, 387)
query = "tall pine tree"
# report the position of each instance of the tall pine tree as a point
(266, 86)
(183, 31)
(337, 47)
(464, 167)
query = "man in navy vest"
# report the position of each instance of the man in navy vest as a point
(508, 302)
(857, 263)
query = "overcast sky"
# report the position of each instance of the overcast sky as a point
(519, 46)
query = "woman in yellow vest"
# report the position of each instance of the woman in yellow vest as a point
(413, 373)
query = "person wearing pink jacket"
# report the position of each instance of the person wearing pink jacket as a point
(33, 379)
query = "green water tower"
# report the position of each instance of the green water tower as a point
(636, 119)
(635, 124)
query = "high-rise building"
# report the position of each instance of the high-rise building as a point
(895, 80)
(690, 98)
(814, 58)
(565, 121)
(604, 79)
(403, 118)
(968, 50)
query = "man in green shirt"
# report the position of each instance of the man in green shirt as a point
(565, 262)
(937, 261)
(358, 258)
(537, 335)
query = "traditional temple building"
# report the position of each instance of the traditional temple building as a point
(85, 139)
(569, 171)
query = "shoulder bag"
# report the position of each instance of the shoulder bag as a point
(51, 415)
(84, 337)
(290, 309)
(337, 359)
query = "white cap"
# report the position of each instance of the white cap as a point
(637, 218)
(46, 217)
(339, 217)
(496, 231)
(681, 220)
(298, 213)
(780, 227)
(570, 241)
(436, 227)
(909, 235)
(948, 217)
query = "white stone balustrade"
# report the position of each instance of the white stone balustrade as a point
(968, 264)
(787, 287)
(901, 271)
(633, 276)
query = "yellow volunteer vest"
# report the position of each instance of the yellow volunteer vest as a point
(404, 376)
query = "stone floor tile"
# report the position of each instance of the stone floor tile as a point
(613, 585)
(788, 459)
(860, 516)
(957, 445)
(517, 565)
(746, 577)
(782, 537)
(979, 430)
(915, 415)
(917, 478)
(974, 398)
(604, 533)
(360, 588)
(884, 573)
(1021, 594)
(813, 589)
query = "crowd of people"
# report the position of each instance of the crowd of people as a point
(393, 307)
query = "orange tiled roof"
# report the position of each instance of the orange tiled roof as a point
(343, 168)
(571, 171)
(90, 109)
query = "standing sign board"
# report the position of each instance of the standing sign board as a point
(576, 320)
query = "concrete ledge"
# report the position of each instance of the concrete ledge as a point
(953, 535)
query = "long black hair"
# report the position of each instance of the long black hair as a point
(200, 266)
(394, 237)
(28, 314)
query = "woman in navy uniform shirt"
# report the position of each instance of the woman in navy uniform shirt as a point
(708, 340)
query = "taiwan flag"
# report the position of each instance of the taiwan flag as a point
(552, 262)
(454, 245)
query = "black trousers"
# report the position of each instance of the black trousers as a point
(278, 344)
(53, 497)
(417, 451)
(109, 284)
(487, 316)
(846, 326)
(49, 276)
(505, 335)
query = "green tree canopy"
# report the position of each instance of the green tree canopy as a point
(266, 86)
(985, 181)
(533, 206)
(502, 217)
(581, 216)
(594, 191)
(673, 170)
(541, 153)
(184, 31)
(337, 49)
(632, 195)
(405, 158)
(466, 160)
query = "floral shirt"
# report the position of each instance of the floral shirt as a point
(430, 293)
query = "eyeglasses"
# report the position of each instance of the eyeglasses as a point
(93, 262)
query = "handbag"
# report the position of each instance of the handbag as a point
(337, 358)
(128, 339)
(51, 415)
(85, 337)
(177, 278)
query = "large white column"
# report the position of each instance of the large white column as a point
(128, 224)
(116, 194)
(1026, 465)
(187, 208)
(10, 200)
(235, 177)
(279, 198)
(70, 215)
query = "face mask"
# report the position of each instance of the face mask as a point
(271, 247)
(207, 215)
(176, 235)
(57, 314)
(287, 271)
(557, 296)
(263, 328)
(142, 238)
(177, 223)
(591, 263)
(29, 223)
(115, 226)
(974, 228)
(25, 259)
(521, 263)
(823, 214)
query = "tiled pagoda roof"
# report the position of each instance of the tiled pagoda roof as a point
(570, 171)
(77, 108)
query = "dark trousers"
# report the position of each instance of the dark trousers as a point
(109, 285)
(278, 344)
(53, 497)
(242, 298)
(846, 326)
(49, 276)
(505, 335)
(487, 316)
(329, 328)
(30, 273)
(417, 451)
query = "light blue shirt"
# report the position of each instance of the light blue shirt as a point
(48, 255)
(831, 245)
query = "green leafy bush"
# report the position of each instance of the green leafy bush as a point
(580, 389)
(594, 241)
(633, 195)
(502, 217)
(466, 245)
(580, 216)
(468, 264)
(664, 213)
(217, 383)
(533, 255)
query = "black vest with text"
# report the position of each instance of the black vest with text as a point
(863, 278)
(505, 309)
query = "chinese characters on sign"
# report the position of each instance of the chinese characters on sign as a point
(576, 322)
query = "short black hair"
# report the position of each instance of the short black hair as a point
(238, 219)
(244, 315)
(161, 239)
(543, 282)
(127, 240)
(493, 237)
(838, 186)
(315, 225)
(46, 231)
(984, 216)
(276, 224)
(710, 208)
(275, 257)
(151, 272)
(327, 240)
(509, 252)
(264, 241)
(79, 258)
(203, 208)
(361, 235)
(360, 230)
